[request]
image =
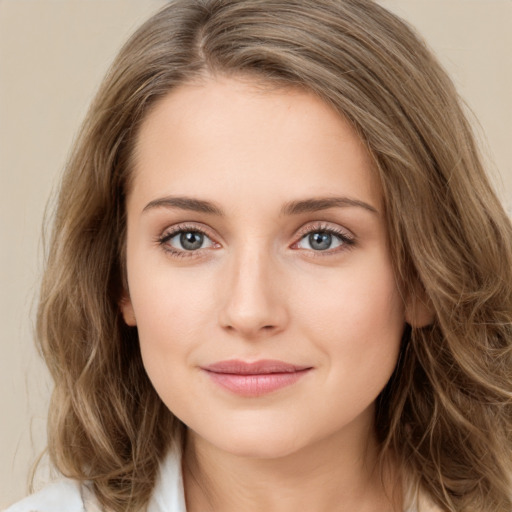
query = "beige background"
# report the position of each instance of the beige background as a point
(53, 54)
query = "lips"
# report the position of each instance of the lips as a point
(256, 378)
(255, 368)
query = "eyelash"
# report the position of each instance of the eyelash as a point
(176, 230)
(347, 241)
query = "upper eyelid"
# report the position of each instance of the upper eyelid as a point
(300, 233)
(184, 227)
(170, 232)
(325, 226)
(306, 228)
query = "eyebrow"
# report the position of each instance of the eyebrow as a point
(323, 203)
(185, 203)
(291, 208)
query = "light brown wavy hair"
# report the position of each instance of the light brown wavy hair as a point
(446, 413)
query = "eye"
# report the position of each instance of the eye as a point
(319, 241)
(186, 240)
(325, 240)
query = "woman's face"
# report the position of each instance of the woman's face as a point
(256, 235)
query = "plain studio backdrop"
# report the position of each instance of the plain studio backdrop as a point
(53, 54)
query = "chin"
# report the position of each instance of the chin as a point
(263, 448)
(256, 442)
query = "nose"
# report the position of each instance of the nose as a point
(253, 304)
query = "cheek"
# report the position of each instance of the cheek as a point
(170, 325)
(356, 320)
(359, 299)
(173, 312)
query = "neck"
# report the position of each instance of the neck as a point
(334, 474)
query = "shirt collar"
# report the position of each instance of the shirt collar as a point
(168, 494)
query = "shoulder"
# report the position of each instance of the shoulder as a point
(65, 496)
(421, 503)
(72, 496)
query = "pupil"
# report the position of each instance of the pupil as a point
(191, 240)
(320, 241)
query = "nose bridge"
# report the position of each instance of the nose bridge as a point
(252, 301)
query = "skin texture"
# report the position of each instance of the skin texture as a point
(257, 289)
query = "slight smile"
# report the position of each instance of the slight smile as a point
(257, 378)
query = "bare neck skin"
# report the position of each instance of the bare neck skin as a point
(340, 473)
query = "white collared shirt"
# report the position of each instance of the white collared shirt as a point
(70, 496)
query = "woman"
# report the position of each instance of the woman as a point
(279, 278)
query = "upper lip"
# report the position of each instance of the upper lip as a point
(234, 366)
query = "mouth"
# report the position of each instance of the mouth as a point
(256, 378)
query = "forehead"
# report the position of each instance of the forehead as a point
(235, 134)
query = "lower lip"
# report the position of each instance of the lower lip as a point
(256, 384)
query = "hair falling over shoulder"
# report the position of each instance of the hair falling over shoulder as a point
(446, 414)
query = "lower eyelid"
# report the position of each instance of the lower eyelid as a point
(343, 244)
(346, 240)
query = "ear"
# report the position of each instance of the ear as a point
(126, 307)
(419, 311)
